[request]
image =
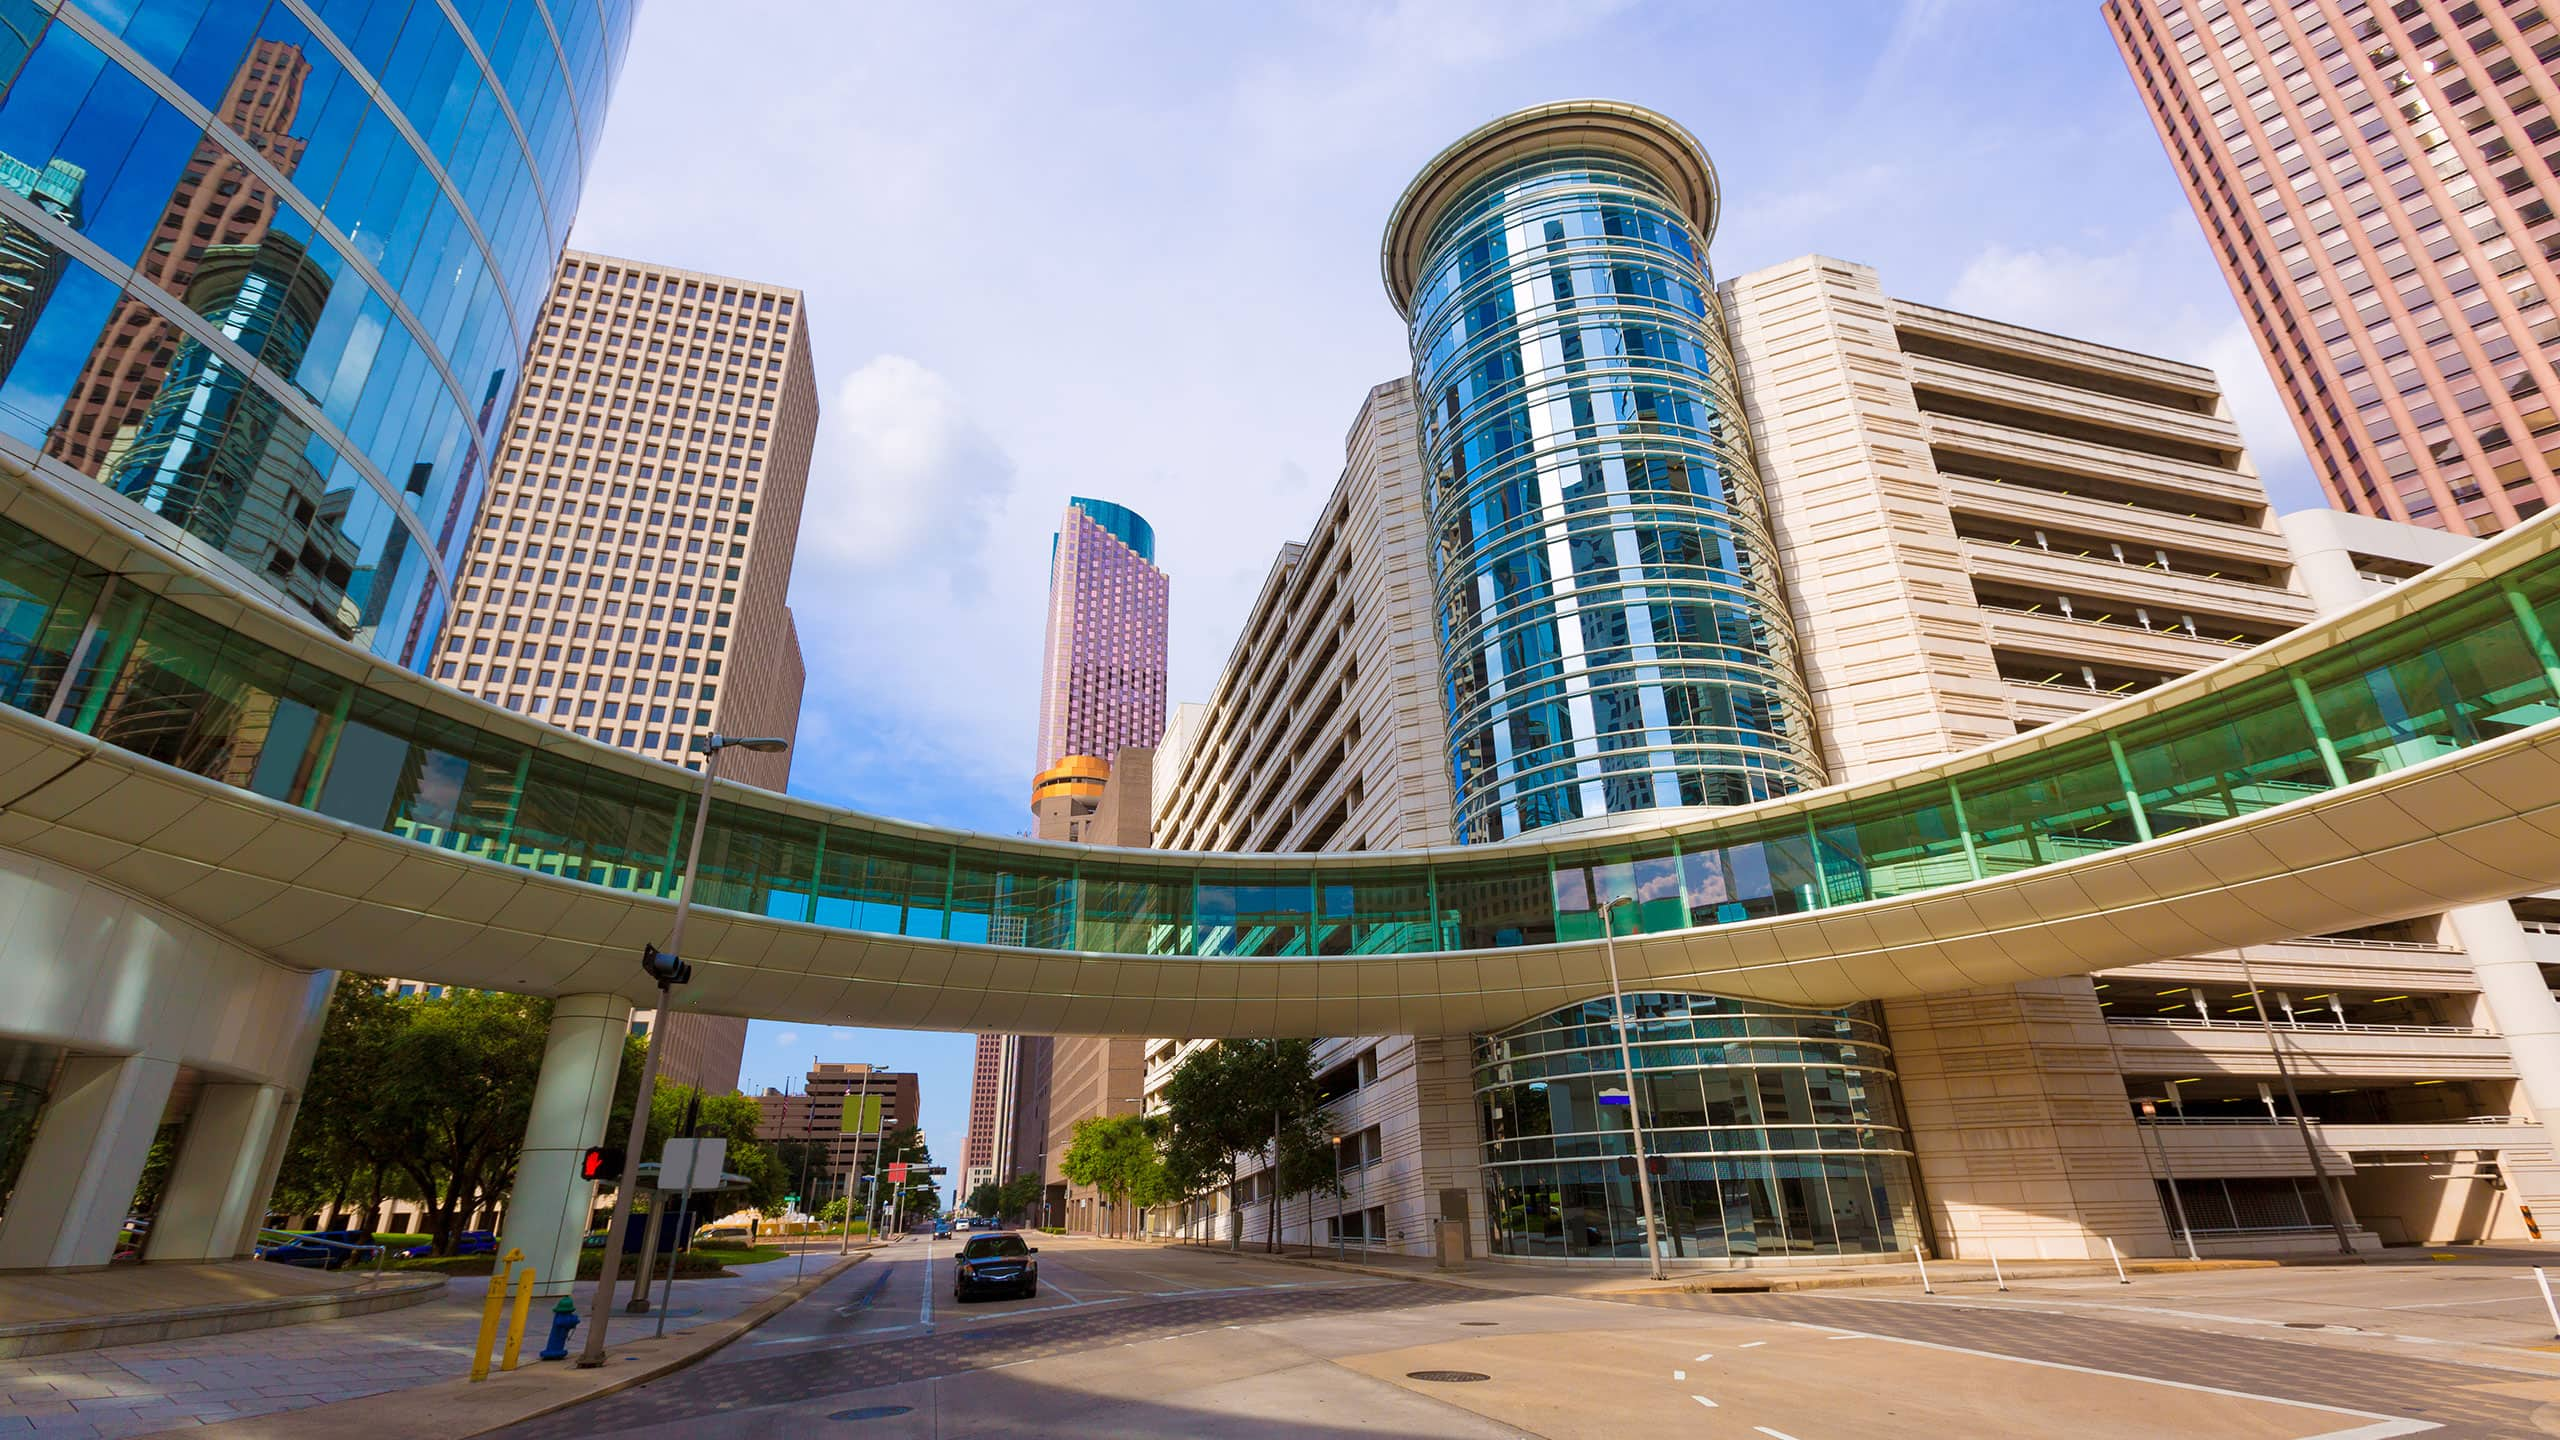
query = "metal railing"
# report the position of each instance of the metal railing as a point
(2297, 1027)
(283, 1238)
(2287, 1121)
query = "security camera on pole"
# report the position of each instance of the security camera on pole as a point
(669, 970)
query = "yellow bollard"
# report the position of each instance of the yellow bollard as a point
(515, 1325)
(489, 1314)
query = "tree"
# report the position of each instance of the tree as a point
(995, 1200)
(331, 1159)
(449, 1102)
(1122, 1156)
(1244, 1096)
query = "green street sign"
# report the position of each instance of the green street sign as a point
(789, 1200)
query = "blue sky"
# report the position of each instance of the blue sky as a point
(1130, 251)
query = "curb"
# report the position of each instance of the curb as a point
(36, 1338)
(453, 1408)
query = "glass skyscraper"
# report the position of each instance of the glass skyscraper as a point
(1614, 638)
(310, 242)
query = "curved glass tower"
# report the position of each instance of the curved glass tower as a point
(1613, 635)
(1775, 1127)
(268, 270)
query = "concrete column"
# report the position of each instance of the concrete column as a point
(80, 1174)
(2519, 1002)
(547, 1211)
(219, 1174)
(279, 1135)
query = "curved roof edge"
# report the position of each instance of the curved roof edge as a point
(1650, 138)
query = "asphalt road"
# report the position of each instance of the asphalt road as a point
(1146, 1342)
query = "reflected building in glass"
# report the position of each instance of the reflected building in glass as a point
(277, 274)
(1614, 639)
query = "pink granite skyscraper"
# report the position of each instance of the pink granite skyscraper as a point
(1102, 678)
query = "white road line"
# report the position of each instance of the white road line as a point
(1702, 1357)
(2449, 1304)
(2384, 1426)
(1844, 1337)
(926, 1320)
(1679, 1374)
(1773, 1434)
(1703, 1400)
(1751, 1344)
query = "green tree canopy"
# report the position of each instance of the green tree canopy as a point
(1122, 1156)
(1240, 1097)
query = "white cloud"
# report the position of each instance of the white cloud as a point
(787, 1038)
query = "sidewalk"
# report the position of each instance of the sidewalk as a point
(404, 1358)
(48, 1314)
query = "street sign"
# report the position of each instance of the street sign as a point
(898, 1172)
(861, 1114)
(692, 1164)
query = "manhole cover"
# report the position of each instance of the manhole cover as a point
(1446, 1377)
(871, 1412)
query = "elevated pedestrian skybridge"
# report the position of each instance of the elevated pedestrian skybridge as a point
(160, 729)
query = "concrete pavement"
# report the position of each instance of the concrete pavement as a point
(1148, 1341)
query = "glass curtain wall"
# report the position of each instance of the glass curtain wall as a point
(268, 270)
(213, 696)
(1776, 1127)
(1613, 633)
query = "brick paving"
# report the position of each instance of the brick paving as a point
(2464, 1399)
(1039, 1335)
(131, 1390)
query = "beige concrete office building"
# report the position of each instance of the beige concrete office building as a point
(1983, 528)
(630, 569)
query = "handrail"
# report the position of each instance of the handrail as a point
(2286, 1122)
(2200, 1022)
(297, 1237)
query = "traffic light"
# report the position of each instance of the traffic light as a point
(601, 1162)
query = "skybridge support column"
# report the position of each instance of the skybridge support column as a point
(2519, 1002)
(547, 1213)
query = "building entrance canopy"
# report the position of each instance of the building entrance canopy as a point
(203, 749)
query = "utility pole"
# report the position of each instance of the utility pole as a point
(1627, 1069)
(2293, 1097)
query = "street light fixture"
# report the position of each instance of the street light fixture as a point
(1627, 1068)
(669, 969)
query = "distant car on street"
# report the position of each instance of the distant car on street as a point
(993, 1264)
(942, 1229)
(469, 1242)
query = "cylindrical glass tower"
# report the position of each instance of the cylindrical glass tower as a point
(1775, 1128)
(1613, 635)
(268, 270)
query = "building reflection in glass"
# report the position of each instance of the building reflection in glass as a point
(29, 262)
(1776, 1128)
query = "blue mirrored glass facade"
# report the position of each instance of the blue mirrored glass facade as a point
(1614, 637)
(1776, 1128)
(268, 269)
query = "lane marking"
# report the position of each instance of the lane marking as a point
(1702, 1357)
(1703, 1400)
(1679, 1374)
(1749, 1344)
(1844, 1337)
(2383, 1426)
(1773, 1434)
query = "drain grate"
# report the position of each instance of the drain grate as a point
(1479, 1322)
(871, 1412)
(1446, 1377)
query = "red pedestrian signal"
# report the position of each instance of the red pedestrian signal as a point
(601, 1162)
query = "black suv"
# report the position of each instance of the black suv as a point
(996, 1264)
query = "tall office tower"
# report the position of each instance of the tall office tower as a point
(818, 1112)
(1988, 529)
(1102, 667)
(1614, 635)
(628, 576)
(986, 1114)
(2377, 182)
(286, 308)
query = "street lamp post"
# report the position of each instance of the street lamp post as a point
(668, 969)
(1627, 1068)
(1337, 1197)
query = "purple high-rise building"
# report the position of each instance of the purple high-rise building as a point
(1102, 679)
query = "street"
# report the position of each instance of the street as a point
(1151, 1341)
